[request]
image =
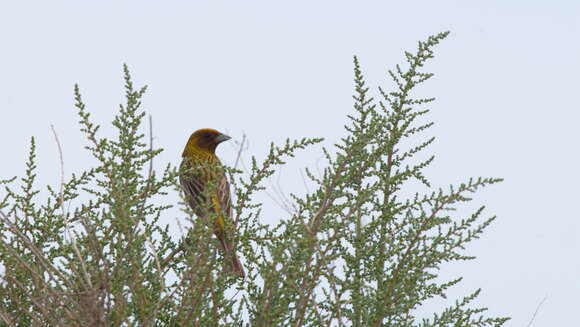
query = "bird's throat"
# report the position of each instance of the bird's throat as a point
(196, 153)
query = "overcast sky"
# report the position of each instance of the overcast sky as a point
(506, 83)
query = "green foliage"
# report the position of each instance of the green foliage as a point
(355, 252)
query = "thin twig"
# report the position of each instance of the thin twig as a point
(147, 188)
(536, 312)
(290, 206)
(6, 318)
(160, 276)
(304, 181)
(247, 172)
(257, 239)
(67, 227)
(61, 160)
(150, 146)
(165, 262)
(239, 154)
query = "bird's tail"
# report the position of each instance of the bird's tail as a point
(236, 265)
(233, 262)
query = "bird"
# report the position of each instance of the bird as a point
(200, 168)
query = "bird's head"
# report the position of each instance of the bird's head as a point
(204, 140)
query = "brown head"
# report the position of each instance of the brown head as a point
(204, 140)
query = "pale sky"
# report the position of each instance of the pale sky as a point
(505, 82)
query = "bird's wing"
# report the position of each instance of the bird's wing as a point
(224, 235)
(224, 224)
(224, 197)
(222, 203)
(193, 185)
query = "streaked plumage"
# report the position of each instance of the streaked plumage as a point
(201, 167)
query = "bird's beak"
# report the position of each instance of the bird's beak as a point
(221, 138)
